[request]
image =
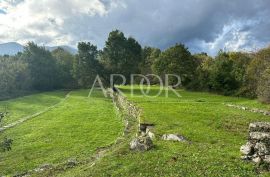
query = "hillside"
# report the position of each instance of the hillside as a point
(79, 126)
(12, 48)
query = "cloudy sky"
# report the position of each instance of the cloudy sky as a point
(203, 25)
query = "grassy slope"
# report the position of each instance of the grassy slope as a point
(216, 133)
(28, 105)
(74, 129)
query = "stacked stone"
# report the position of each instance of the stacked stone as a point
(257, 148)
(255, 110)
(143, 141)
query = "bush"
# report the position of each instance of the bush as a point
(6, 144)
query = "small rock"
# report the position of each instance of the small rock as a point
(266, 113)
(44, 167)
(247, 149)
(71, 163)
(266, 158)
(261, 149)
(173, 137)
(141, 143)
(144, 126)
(257, 160)
(151, 135)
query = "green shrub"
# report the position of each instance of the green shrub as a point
(6, 144)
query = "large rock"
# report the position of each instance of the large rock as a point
(141, 143)
(173, 137)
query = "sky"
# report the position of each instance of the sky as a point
(202, 25)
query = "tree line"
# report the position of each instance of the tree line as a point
(230, 73)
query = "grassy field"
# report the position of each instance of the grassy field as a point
(28, 105)
(216, 133)
(73, 129)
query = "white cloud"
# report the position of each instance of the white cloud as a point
(205, 25)
(44, 19)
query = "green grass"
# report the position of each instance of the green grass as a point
(28, 105)
(73, 129)
(216, 133)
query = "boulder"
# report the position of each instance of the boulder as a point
(141, 143)
(173, 137)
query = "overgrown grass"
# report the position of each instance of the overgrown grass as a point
(28, 105)
(74, 129)
(216, 133)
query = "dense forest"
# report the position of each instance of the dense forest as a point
(230, 73)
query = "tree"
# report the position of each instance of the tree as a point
(42, 67)
(14, 76)
(176, 60)
(86, 65)
(263, 90)
(121, 55)
(149, 55)
(241, 61)
(64, 62)
(203, 70)
(260, 61)
(222, 78)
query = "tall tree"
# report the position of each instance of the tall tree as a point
(86, 65)
(222, 78)
(259, 63)
(64, 61)
(263, 90)
(149, 55)
(42, 67)
(121, 55)
(14, 76)
(204, 64)
(176, 60)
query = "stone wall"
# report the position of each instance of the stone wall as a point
(256, 110)
(123, 103)
(257, 149)
(143, 140)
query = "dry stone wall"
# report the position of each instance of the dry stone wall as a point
(257, 149)
(143, 140)
(255, 110)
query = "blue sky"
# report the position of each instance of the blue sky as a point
(2, 11)
(203, 25)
